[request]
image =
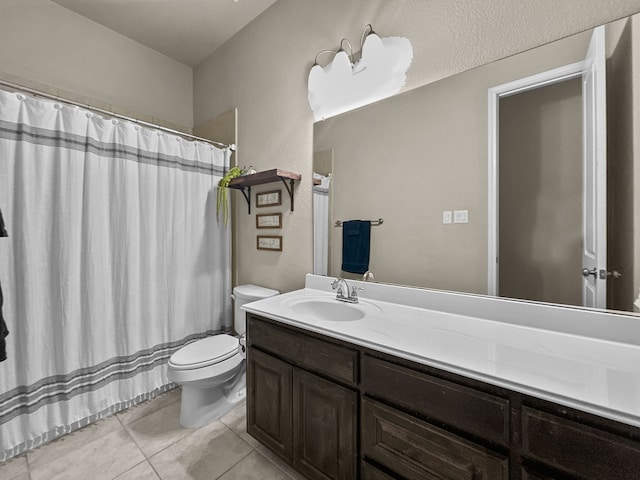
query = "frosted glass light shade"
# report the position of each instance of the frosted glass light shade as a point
(380, 73)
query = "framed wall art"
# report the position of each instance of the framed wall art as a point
(270, 242)
(269, 199)
(269, 220)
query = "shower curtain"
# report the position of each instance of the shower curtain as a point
(321, 225)
(114, 260)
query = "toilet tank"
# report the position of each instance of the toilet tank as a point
(244, 294)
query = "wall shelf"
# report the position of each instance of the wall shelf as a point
(245, 182)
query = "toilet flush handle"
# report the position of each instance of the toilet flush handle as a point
(242, 345)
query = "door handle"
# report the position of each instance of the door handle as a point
(602, 274)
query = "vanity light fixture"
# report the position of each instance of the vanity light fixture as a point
(347, 83)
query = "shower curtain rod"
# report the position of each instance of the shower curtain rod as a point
(38, 93)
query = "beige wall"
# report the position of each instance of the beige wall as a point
(263, 72)
(411, 157)
(323, 161)
(624, 163)
(540, 187)
(46, 46)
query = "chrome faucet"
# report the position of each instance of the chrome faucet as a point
(368, 276)
(342, 293)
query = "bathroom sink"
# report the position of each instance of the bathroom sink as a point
(330, 309)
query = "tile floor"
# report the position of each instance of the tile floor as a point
(146, 442)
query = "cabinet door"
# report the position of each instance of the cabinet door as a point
(324, 422)
(269, 402)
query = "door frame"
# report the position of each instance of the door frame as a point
(543, 79)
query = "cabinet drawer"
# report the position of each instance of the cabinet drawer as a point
(369, 472)
(335, 361)
(417, 450)
(578, 449)
(461, 407)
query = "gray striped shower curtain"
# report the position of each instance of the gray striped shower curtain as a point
(115, 259)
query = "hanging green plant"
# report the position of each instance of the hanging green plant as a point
(223, 192)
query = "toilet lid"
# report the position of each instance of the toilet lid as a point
(206, 351)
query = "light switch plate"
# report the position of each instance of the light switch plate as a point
(461, 216)
(446, 217)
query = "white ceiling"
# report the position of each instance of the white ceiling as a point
(185, 30)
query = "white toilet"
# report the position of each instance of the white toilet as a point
(212, 371)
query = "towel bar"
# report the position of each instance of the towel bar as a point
(373, 223)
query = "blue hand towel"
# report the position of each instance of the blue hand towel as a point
(356, 241)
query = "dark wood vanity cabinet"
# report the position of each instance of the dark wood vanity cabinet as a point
(295, 403)
(334, 410)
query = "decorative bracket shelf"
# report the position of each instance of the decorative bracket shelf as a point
(245, 182)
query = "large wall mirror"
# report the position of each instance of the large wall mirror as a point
(411, 158)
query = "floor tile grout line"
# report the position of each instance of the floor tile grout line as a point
(149, 400)
(275, 464)
(26, 461)
(194, 431)
(62, 438)
(164, 448)
(13, 477)
(237, 434)
(129, 469)
(255, 449)
(227, 427)
(97, 422)
(146, 459)
(235, 464)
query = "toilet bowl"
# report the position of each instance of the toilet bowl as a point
(212, 371)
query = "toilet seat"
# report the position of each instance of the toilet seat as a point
(205, 352)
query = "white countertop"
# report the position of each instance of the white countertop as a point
(505, 343)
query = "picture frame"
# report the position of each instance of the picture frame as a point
(269, 220)
(269, 199)
(269, 242)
